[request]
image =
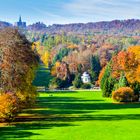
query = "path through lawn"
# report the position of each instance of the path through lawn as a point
(76, 116)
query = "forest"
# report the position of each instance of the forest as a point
(69, 56)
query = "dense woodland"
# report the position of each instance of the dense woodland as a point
(69, 55)
(115, 27)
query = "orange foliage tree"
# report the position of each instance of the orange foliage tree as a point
(54, 68)
(129, 62)
(125, 70)
(8, 106)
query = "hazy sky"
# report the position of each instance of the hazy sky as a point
(68, 11)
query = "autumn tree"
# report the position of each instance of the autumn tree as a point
(123, 71)
(62, 53)
(56, 83)
(46, 58)
(54, 68)
(17, 64)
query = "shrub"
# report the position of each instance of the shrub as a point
(8, 107)
(122, 82)
(56, 83)
(77, 83)
(123, 94)
(136, 88)
(27, 98)
(135, 98)
(86, 86)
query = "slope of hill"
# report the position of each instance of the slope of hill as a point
(37, 27)
(4, 24)
(124, 27)
(115, 27)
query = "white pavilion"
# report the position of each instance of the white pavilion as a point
(85, 78)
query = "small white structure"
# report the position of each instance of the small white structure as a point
(85, 78)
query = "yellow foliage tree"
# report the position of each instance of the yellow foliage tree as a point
(54, 68)
(135, 50)
(45, 58)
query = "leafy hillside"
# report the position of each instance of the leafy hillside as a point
(123, 27)
(115, 27)
(37, 27)
(4, 24)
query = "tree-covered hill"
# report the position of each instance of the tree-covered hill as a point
(4, 24)
(123, 27)
(119, 27)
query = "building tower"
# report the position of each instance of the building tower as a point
(20, 24)
(20, 19)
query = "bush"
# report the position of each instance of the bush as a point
(77, 83)
(8, 107)
(86, 86)
(56, 83)
(27, 98)
(122, 82)
(124, 94)
(136, 88)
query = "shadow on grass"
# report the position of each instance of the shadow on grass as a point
(13, 132)
(76, 109)
(51, 99)
(57, 91)
(21, 130)
(73, 103)
(62, 112)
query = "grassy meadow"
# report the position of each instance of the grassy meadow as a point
(75, 116)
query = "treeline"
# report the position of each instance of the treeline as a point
(128, 27)
(18, 63)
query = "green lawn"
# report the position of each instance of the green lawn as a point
(43, 76)
(76, 116)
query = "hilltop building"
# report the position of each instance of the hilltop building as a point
(20, 24)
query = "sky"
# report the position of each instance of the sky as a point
(68, 11)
